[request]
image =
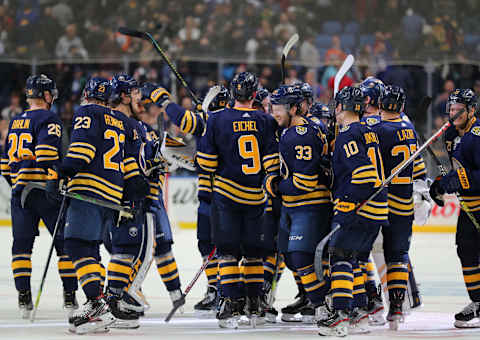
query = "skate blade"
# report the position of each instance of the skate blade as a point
(291, 318)
(92, 326)
(205, 314)
(393, 325)
(339, 331)
(125, 324)
(309, 319)
(72, 329)
(231, 323)
(467, 324)
(270, 318)
(360, 327)
(25, 313)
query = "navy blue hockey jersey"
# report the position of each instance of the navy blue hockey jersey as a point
(33, 144)
(239, 148)
(302, 148)
(99, 143)
(358, 172)
(188, 121)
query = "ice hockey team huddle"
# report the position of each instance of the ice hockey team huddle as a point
(329, 192)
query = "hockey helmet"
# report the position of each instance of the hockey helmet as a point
(243, 86)
(259, 98)
(373, 88)
(97, 88)
(121, 83)
(221, 99)
(37, 85)
(462, 96)
(351, 99)
(287, 95)
(321, 111)
(393, 99)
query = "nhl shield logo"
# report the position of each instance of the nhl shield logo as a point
(133, 231)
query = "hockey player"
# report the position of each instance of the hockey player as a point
(238, 149)
(358, 172)
(32, 146)
(398, 141)
(306, 205)
(208, 304)
(96, 167)
(461, 143)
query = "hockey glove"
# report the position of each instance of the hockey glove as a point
(136, 188)
(156, 94)
(455, 180)
(55, 180)
(436, 192)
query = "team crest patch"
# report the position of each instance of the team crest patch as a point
(345, 128)
(372, 121)
(301, 130)
(476, 130)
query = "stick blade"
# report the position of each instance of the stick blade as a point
(132, 33)
(347, 64)
(288, 46)
(212, 93)
(176, 305)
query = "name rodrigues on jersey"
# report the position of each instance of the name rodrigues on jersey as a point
(245, 125)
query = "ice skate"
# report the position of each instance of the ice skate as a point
(228, 315)
(70, 303)
(337, 324)
(359, 321)
(176, 297)
(376, 309)
(255, 314)
(290, 312)
(469, 317)
(124, 318)
(92, 317)
(208, 305)
(25, 303)
(308, 314)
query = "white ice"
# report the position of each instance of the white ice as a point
(433, 255)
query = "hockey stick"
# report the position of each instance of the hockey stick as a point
(276, 274)
(319, 250)
(286, 49)
(342, 71)
(180, 302)
(147, 36)
(211, 94)
(32, 185)
(61, 212)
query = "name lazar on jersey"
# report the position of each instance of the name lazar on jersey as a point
(244, 125)
(405, 134)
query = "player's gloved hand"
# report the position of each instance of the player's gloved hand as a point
(55, 180)
(270, 183)
(156, 94)
(436, 192)
(456, 180)
(136, 188)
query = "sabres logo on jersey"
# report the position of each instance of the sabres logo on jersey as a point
(345, 128)
(372, 121)
(476, 130)
(301, 130)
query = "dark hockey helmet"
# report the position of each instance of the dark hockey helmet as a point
(321, 111)
(373, 88)
(38, 84)
(221, 99)
(462, 96)
(393, 99)
(121, 83)
(351, 98)
(287, 95)
(259, 98)
(243, 86)
(307, 91)
(97, 88)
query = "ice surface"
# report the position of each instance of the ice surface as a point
(433, 255)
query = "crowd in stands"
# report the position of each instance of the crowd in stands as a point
(76, 39)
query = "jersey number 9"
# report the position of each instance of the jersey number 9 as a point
(248, 149)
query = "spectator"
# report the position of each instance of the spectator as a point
(284, 25)
(190, 33)
(63, 13)
(309, 53)
(70, 45)
(440, 103)
(14, 108)
(412, 25)
(335, 52)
